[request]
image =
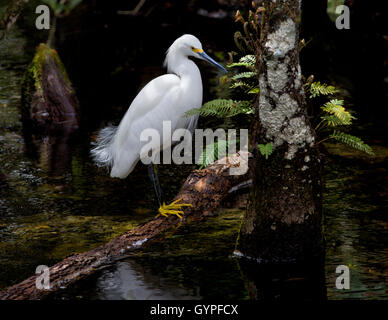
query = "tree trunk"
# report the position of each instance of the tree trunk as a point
(283, 220)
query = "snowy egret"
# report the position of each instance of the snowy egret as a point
(165, 98)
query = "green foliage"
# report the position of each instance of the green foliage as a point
(317, 89)
(222, 108)
(351, 141)
(244, 75)
(225, 108)
(335, 115)
(213, 152)
(246, 79)
(247, 61)
(255, 90)
(265, 149)
(240, 84)
(333, 121)
(335, 107)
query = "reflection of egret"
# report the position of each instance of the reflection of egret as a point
(165, 98)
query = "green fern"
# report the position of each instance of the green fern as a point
(247, 61)
(316, 89)
(333, 121)
(265, 149)
(244, 75)
(254, 90)
(335, 107)
(351, 141)
(222, 108)
(240, 84)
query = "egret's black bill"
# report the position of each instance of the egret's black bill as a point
(212, 61)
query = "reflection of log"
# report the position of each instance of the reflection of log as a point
(204, 189)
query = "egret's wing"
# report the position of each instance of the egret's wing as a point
(156, 102)
(152, 95)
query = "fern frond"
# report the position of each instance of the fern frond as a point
(317, 89)
(222, 108)
(248, 87)
(335, 107)
(254, 90)
(351, 141)
(239, 84)
(244, 75)
(333, 121)
(265, 149)
(247, 61)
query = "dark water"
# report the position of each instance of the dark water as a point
(47, 213)
(196, 261)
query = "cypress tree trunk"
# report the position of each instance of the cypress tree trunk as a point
(283, 219)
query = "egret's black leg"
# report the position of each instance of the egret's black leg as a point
(175, 207)
(151, 173)
(156, 174)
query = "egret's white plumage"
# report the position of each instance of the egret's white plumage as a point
(166, 98)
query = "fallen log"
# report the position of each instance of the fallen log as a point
(203, 189)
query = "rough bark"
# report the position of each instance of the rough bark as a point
(204, 189)
(283, 220)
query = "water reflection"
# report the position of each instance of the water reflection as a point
(357, 226)
(197, 256)
(131, 281)
(53, 151)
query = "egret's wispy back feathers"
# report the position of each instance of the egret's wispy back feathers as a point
(103, 153)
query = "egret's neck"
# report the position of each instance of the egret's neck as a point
(181, 65)
(189, 74)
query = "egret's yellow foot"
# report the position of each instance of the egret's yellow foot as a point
(173, 208)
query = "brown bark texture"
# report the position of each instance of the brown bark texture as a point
(283, 220)
(204, 189)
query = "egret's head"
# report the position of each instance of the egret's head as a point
(190, 46)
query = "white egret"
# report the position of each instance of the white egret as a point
(165, 98)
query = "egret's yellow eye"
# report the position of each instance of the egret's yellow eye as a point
(196, 50)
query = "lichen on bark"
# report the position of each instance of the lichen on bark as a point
(279, 111)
